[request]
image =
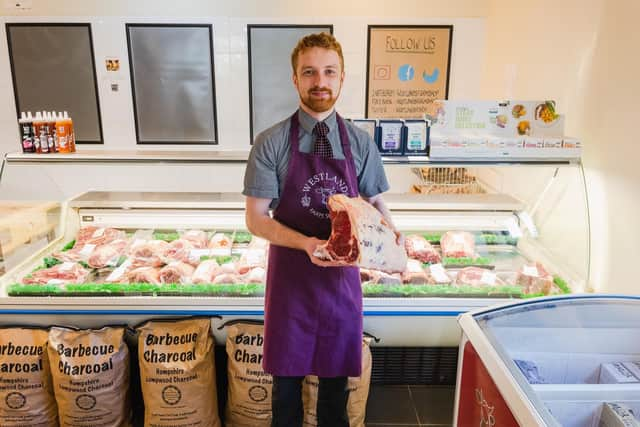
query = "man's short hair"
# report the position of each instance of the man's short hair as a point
(324, 40)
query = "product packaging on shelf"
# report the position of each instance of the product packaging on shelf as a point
(47, 132)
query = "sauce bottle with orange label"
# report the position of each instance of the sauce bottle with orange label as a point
(62, 134)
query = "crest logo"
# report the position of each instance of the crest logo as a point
(319, 188)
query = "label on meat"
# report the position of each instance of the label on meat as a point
(196, 254)
(249, 395)
(177, 373)
(530, 271)
(66, 266)
(26, 391)
(87, 249)
(438, 273)
(488, 278)
(90, 370)
(98, 233)
(118, 272)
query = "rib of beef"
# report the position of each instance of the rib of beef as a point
(419, 248)
(360, 236)
(458, 244)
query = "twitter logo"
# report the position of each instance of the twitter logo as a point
(431, 78)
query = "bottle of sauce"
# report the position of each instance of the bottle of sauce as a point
(71, 133)
(38, 131)
(51, 136)
(62, 134)
(26, 133)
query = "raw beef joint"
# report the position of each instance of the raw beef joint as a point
(361, 236)
(458, 244)
(419, 248)
(474, 276)
(534, 279)
(107, 254)
(67, 272)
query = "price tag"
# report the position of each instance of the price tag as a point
(87, 249)
(98, 233)
(438, 273)
(458, 238)
(254, 257)
(414, 266)
(530, 271)
(419, 244)
(55, 282)
(488, 277)
(220, 252)
(118, 272)
(66, 266)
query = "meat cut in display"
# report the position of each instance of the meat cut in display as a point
(458, 244)
(419, 248)
(67, 272)
(361, 236)
(534, 278)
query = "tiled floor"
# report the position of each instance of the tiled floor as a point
(410, 406)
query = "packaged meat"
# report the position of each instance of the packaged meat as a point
(176, 272)
(144, 275)
(382, 278)
(205, 271)
(252, 258)
(534, 279)
(97, 236)
(438, 275)
(181, 250)
(220, 240)
(228, 268)
(530, 371)
(255, 275)
(227, 279)
(198, 238)
(616, 373)
(147, 253)
(67, 272)
(419, 248)
(107, 255)
(119, 274)
(458, 244)
(475, 276)
(414, 274)
(361, 236)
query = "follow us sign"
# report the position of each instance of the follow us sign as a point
(408, 68)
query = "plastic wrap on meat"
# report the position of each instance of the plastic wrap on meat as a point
(107, 255)
(534, 279)
(227, 279)
(228, 268)
(144, 275)
(176, 272)
(180, 250)
(67, 272)
(438, 275)
(255, 275)
(205, 271)
(147, 253)
(98, 236)
(361, 236)
(220, 241)
(414, 273)
(419, 248)
(198, 238)
(458, 244)
(252, 258)
(474, 276)
(377, 277)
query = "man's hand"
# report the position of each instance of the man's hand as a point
(310, 246)
(399, 238)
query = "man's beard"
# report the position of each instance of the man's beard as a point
(319, 105)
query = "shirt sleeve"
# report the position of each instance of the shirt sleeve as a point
(260, 176)
(372, 179)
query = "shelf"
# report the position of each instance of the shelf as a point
(222, 156)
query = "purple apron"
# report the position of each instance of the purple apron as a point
(313, 315)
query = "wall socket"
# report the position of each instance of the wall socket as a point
(18, 4)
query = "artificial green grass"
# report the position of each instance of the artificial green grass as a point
(466, 261)
(68, 245)
(104, 289)
(242, 237)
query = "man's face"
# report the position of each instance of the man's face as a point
(318, 78)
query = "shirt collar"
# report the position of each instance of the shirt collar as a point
(307, 122)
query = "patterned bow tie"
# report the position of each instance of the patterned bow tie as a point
(321, 146)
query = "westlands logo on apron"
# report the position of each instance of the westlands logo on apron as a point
(321, 185)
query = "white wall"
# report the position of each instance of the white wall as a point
(229, 20)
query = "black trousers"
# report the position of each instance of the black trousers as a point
(286, 402)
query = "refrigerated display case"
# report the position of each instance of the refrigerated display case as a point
(557, 361)
(517, 214)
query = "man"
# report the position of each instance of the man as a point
(313, 308)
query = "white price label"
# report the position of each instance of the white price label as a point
(118, 272)
(488, 277)
(438, 273)
(419, 244)
(530, 271)
(458, 238)
(254, 257)
(220, 252)
(198, 253)
(87, 249)
(414, 266)
(66, 266)
(55, 282)
(98, 233)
